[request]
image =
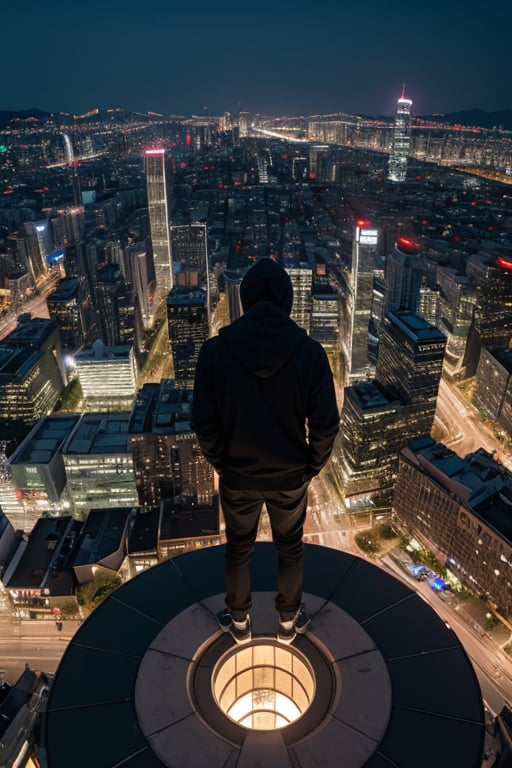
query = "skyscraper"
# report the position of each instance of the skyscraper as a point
(189, 255)
(364, 264)
(188, 326)
(156, 188)
(379, 416)
(405, 270)
(410, 363)
(401, 140)
(492, 319)
(167, 459)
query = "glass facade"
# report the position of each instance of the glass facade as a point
(158, 218)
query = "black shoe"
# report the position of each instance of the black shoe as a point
(288, 630)
(240, 631)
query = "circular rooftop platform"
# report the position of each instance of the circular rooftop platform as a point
(149, 680)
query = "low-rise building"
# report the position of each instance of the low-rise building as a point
(108, 377)
(98, 462)
(38, 468)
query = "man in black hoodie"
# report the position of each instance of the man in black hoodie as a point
(265, 414)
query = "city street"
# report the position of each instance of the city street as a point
(460, 428)
(37, 643)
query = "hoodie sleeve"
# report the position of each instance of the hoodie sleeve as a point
(323, 415)
(205, 417)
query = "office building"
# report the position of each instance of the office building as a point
(492, 320)
(404, 272)
(320, 166)
(325, 312)
(167, 460)
(31, 372)
(410, 364)
(156, 187)
(363, 268)
(98, 462)
(38, 245)
(188, 328)
(67, 305)
(185, 529)
(459, 508)
(377, 309)
(144, 284)
(397, 171)
(190, 255)
(114, 301)
(38, 469)
(493, 386)
(108, 377)
(232, 279)
(380, 415)
(301, 276)
(366, 451)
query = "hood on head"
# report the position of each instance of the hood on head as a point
(267, 281)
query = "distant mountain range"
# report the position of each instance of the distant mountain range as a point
(477, 118)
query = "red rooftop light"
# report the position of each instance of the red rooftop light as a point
(504, 263)
(363, 223)
(408, 244)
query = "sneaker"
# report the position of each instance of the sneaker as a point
(288, 630)
(240, 631)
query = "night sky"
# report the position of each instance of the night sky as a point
(270, 56)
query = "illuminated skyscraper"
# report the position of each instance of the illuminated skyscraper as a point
(364, 265)
(405, 271)
(188, 327)
(189, 255)
(167, 459)
(401, 140)
(156, 188)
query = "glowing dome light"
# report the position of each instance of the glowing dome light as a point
(263, 686)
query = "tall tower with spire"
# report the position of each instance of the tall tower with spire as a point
(401, 139)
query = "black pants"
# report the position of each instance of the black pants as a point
(287, 512)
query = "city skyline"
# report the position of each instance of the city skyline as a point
(205, 59)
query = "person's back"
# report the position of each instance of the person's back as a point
(265, 414)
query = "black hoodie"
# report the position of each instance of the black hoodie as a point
(264, 407)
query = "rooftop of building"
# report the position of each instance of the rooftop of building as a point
(38, 567)
(32, 332)
(144, 531)
(99, 433)
(45, 440)
(15, 362)
(489, 483)
(371, 395)
(416, 327)
(186, 295)
(99, 352)
(178, 522)
(161, 408)
(65, 290)
(102, 534)
(383, 674)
